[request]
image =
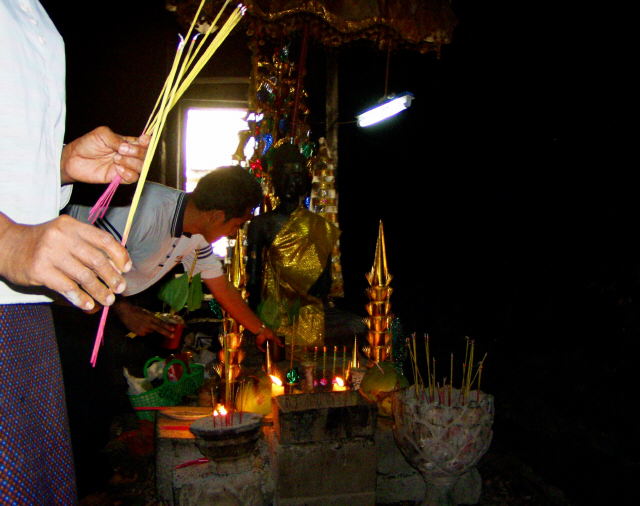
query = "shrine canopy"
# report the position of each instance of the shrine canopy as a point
(424, 25)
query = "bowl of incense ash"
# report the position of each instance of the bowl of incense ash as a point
(227, 437)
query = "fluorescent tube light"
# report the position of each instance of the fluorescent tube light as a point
(390, 106)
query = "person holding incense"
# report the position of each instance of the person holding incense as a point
(42, 253)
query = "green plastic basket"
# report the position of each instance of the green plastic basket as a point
(169, 393)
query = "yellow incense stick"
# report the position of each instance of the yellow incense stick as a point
(268, 359)
(470, 367)
(414, 364)
(333, 368)
(344, 361)
(175, 61)
(426, 348)
(450, 379)
(479, 370)
(464, 364)
(172, 91)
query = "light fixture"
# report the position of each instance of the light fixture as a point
(387, 107)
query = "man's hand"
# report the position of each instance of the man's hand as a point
(266, 334)
(76, 260)
(141, 321)
(100, 155)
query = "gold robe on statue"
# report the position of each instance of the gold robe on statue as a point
(293, 263)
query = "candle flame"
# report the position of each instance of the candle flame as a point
(222, 410)
(275, 380)
(339, 381)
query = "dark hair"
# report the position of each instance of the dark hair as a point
(231, 189)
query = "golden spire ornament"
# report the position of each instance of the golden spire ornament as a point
(380, 317)
(231, 355)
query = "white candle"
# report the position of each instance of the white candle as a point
(338, 385)
(277, 388)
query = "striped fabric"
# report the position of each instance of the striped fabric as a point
(36, 465)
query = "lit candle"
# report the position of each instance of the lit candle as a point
(223, 413)
(277, 388)
(344, 360)
(338, 385)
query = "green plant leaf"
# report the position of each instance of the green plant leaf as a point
(175, 293)
(268, 313)
(195, 296)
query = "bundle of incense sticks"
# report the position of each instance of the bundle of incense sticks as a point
(186, 66)
(434, 391)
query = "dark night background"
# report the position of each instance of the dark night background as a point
(508, 204)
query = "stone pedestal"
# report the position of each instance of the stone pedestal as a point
(175, 445)
(322, 449)
(245, 481)
(327, 468)
(242, 481)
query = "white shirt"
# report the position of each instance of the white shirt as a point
(156, 243)
(32, 117)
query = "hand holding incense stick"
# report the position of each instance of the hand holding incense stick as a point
(183, 71)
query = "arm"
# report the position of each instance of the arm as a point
(231, 300)
(76, 260)
(101, 155)
(140, 321)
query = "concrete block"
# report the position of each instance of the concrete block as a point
(323, 417)
(241, 482)
(397, 480)
(169, 454)
(302, 472)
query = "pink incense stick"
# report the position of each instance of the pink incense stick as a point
(101, 206)
(99, 336)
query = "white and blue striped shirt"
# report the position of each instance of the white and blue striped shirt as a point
(156, 242)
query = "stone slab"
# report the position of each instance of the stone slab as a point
(323, 417)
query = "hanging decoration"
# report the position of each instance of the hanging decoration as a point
(324, 201)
